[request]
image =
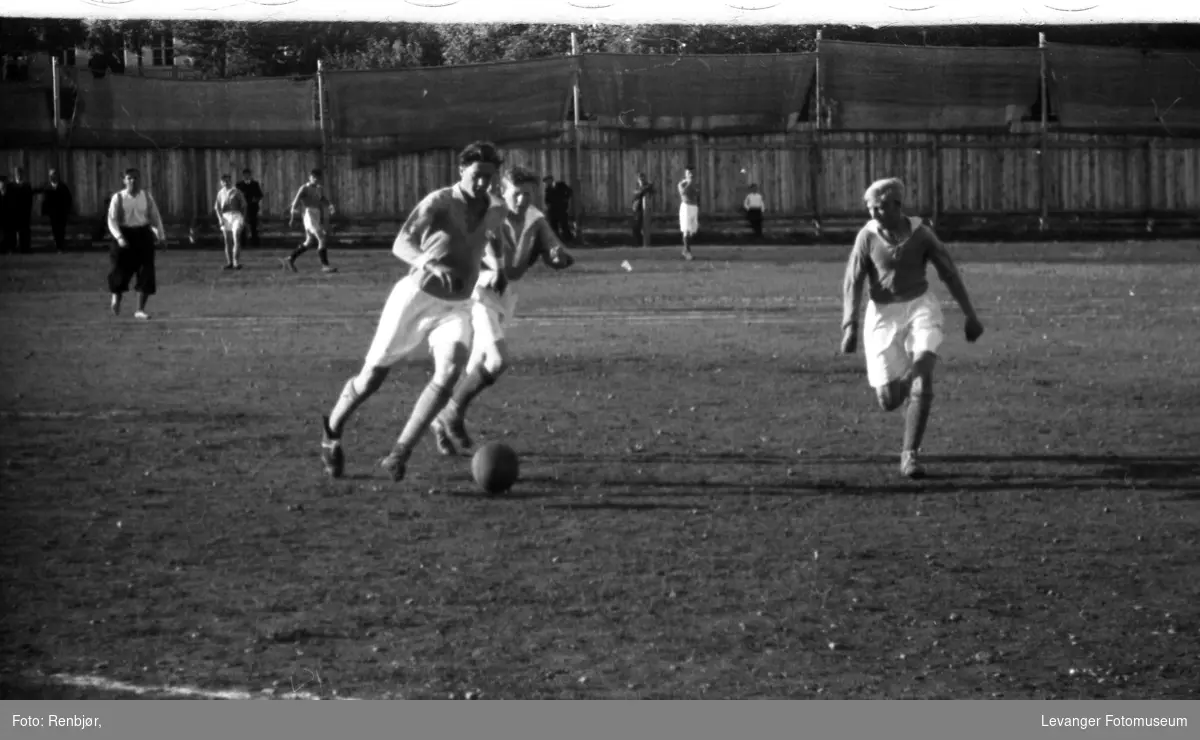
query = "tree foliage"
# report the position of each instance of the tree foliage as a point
(234, 49)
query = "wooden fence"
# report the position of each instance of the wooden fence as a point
(801, 175)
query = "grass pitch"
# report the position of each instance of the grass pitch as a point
(710, 505)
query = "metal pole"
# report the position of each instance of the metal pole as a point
(1043, 161)
(578, 176)
(57, 104)
(814, 151)
(321, 115)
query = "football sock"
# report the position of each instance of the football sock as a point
(472, 386)
(350, 400)
(298, 251)
(916, 417)
(431, 401)
(323, 255)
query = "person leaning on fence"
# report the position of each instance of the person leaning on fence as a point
(230, 207)
(56, 207)
(254, 198)
(136, 224)
(754, 208)
(641, 199)
(689, 209)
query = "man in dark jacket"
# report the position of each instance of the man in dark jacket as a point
(20, 208)
(253, 193)
(56, 206)
(641, 199)
(558, 207)
(8, 236)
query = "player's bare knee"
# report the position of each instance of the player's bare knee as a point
(449, 363)
(495, 361)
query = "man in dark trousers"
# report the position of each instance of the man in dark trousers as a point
(641, 199)
(253, 193)
(8, 237)
(20, 203)
(136, 223)
(56, 206)
(558, 207)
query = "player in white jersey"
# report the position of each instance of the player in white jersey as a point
(447, 238)
(527, 238)
(230, 207)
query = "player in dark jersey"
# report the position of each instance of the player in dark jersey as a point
(446, 240)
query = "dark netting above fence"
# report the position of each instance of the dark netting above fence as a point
(1105, 89)
(448, 107)
(711, 94)
(28, 114)
(924, 88)
(120, 111)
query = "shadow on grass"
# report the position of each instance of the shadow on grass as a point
(1138, 473)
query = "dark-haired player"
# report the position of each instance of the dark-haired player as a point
(447, 238)
(310, 199)
(527, 237)
(136, 223)
(902, 328)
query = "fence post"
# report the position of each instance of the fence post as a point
(935, 166)
(814, 151)
(1149, 184)
(321, 116)
(1044, 159)
(576, 186)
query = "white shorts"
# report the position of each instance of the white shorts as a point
(896, 332)
(312, 222)
(490, 311)
(412, 317)
(232, 221)
(689, 218)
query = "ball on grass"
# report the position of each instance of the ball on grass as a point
(495, 468)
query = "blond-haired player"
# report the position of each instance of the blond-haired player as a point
(527, 238)
(311, 200)
(230, 207)
(902, 326)
(447, 238)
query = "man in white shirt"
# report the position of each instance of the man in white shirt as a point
(754, 207)
(135, 222)
(231, 219)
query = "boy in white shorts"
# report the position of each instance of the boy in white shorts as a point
(527, 236)
(230, 207)
(310, 198)
(445, 240)
(903, 322)
(689, 209)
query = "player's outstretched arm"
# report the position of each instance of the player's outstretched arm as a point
(114, 221)
(949, 274)
(852, 294)
(155, 218)
(554, 254)
(296, 204)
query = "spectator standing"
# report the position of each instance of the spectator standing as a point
(641, 201)
(56, 207)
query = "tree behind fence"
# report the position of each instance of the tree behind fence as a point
(964, 126)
